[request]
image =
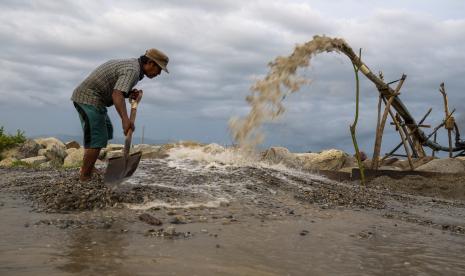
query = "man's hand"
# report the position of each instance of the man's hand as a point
(136, 95)
(127, 125)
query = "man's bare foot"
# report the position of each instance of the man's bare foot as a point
(83, 177)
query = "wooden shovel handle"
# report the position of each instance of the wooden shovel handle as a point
(132, 118)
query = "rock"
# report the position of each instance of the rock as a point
(72, 145)
(74, 157)
(35, 161)
(70, 150)
(350, 162)
(148, 151)
(48, 142)
(447, 165)
(112, 147)
(170, 231)
(327, 160)
(47, 165)
(56, 153)
(10, 153)
(114, 153)
(30, 148)
(367, 163)
(276, 155)
(163, 151)
(213, 148)
(8, 162)
(147, 218)
(179, 219)
(41, 152)
(190, 144)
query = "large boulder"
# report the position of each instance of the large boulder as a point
(55, 150)
(332, 159)
(276, 155)
(148, 151)
(72, 145)
(213, 148)
(114, 153)
(8, 162)
(112, 147)
(74, 158)
(70, 150)
(190, 144)
(30, 148)
(35, 161)
(56, 153)
(164, 150)
(350, 162)
(447, 165)
(41, 152)
(50, 141)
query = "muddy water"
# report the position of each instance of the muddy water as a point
(237, 218)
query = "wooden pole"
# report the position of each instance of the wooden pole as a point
(404, 141)
(379, 133)
(400, 144)
(435, 136)
(409, 140)
(380, 127)
(446, 109)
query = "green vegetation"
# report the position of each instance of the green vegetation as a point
(8, 141)
(19, 163)
(354, 125)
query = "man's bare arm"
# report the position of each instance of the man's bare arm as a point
(120, 105)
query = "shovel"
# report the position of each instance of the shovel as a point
(121, 167)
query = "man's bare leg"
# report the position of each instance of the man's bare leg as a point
(88, 162)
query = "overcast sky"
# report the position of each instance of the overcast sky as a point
(217, 49)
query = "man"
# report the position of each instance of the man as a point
(109, 84)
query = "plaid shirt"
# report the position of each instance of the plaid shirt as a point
(117, 74)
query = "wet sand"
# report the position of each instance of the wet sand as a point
(228, 221)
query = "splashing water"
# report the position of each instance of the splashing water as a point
(267, 94)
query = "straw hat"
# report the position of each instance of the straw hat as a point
(158, 57)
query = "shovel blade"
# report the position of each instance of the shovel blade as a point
(119, 169)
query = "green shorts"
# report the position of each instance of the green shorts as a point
(96, 125)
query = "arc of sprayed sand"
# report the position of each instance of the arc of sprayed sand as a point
(268, 93)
